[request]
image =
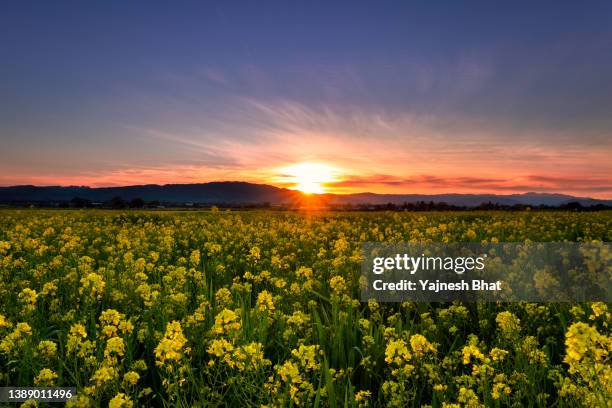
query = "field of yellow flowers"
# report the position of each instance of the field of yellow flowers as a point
(260, 308)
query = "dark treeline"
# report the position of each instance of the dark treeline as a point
(433, 206)
(119, 203)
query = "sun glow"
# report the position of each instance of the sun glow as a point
(309, 178)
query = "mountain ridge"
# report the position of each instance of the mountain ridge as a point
(239, 192)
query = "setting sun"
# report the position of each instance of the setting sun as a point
(309, 178)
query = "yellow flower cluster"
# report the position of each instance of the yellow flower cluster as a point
(28, 298)
(120, 401)
(103, 375)
(46, 378)
(114, 348)
(113, 323)
(172, 347)
(397, 352)
(420, 345)
(47, 348)
(265, 302)
(589, 357)
(14, 341)
(337, 284)
(93, 285)
(227, 322)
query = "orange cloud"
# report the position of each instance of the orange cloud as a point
(600, 187)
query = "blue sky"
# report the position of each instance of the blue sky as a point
(397, 96)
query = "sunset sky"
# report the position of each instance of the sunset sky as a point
(393, 97)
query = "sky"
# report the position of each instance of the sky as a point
(387, 97)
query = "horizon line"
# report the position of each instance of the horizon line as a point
(312, 194)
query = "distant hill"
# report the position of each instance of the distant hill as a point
(233, 192)
(467, 200)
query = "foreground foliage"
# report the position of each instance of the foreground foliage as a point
(261, 308)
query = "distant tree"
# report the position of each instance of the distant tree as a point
(573, 205)
(117, 203)
(137, 203)
(78, 202)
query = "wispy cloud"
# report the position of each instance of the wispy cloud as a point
(247, 138)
